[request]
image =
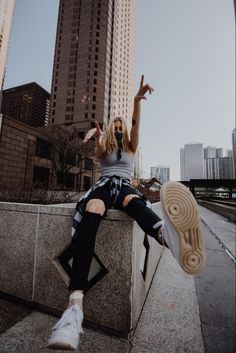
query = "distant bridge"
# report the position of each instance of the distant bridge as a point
(204, 188)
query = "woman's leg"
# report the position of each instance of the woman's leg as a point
(148, 220)
(65, 334)
(181, 229)
(84, 243)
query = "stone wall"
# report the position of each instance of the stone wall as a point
(33, 239)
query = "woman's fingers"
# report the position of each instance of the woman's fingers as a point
(142, 80)
(151, 89)
(143, 89)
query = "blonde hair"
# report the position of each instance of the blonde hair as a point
(111, 142)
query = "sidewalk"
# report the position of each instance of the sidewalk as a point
(215, 287)
(170, 320)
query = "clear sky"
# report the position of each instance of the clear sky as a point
(184, 48)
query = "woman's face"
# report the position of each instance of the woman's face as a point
(118, 126)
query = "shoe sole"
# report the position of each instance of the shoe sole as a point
(182, 210)
(62, 342)
(60, 346)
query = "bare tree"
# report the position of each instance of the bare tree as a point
(68, 151)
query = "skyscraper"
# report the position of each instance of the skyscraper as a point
(234, 151)
(6, 16)
(138, 164)
(210, 152)
(212, 168)
(219, 152)
(182, 164)
(161, 173)
(93, 72)
(192, 161)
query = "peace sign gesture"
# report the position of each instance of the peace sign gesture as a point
(143, 89)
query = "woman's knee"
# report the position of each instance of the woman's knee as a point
(96, 206)
(128, 198)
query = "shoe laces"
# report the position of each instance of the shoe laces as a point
(76, 301)
(73, 316)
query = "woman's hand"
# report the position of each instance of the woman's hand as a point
(96, 132)
(143, 89)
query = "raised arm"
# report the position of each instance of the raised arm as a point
(134, 133)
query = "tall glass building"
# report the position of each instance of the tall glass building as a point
(161, 173)
(192, 161)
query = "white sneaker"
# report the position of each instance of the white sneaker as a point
(65, 334)
(181, 229)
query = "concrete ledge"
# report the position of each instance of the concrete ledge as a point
(32, 237)
(226, 211)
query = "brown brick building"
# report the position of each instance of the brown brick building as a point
(29, 104)
(26, 159)
(93, 72)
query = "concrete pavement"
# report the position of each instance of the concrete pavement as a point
(215, 287)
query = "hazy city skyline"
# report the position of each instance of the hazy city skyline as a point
(185, 50)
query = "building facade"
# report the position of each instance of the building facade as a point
(6, 17)
(20, 162)
(210, 152)
(192, 161)
(234, 151)
(138, 164)
(161, 173)
(29, 104)
(182, 177)
(93, 72)
(219, 152)
(212, 166)
(28, 157)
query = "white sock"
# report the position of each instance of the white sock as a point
(76, 298)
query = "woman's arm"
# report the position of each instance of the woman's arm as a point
(100, 148)
(100, 141)
(134, 133)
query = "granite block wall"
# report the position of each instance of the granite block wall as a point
(33, 236)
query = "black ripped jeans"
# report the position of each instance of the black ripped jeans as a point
(84, 241)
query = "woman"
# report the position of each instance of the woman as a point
(181, 231)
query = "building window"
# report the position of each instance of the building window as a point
(69, 180)
(41, 177)
(87, 182)
(88, 164)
